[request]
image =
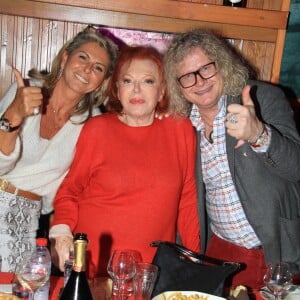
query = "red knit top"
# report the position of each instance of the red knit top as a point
(129, 186)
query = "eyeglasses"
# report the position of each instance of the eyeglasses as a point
(205, 72)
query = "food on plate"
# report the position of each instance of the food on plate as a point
(5, 296)
(180, 296)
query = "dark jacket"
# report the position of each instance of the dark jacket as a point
(268, 184)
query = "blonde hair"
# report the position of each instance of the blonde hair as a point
(94, 98)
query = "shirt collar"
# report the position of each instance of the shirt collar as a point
(195, 116)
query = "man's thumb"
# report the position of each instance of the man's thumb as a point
(19, 78)
(247, 101)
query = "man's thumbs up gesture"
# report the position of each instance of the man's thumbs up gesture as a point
(241, 120)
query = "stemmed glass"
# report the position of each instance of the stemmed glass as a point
(137, 259)
(121, 268)
(277, 278)
(33, 274)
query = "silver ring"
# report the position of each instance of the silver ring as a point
(36, 110)
(233, 119)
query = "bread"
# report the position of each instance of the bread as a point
(239, 293)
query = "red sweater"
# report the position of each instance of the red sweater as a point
(129, 186)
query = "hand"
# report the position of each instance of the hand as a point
(61, 250)
(26, 101)
(160, 116)
(247, 126)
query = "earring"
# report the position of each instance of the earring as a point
(61, 70)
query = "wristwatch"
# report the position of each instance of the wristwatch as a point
(5, 126)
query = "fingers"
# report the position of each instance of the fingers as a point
(241, 119)
(63, 245)
(160, 116)
(19, 78)
(239, 144)
(29, 98)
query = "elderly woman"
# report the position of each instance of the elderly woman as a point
(248, 150)
(136, 185)
(39, 128)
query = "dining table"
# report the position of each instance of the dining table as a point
(100, 287)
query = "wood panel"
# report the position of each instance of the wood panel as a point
(33, 31)
(263, 26)
(30, 42)
(186, 11)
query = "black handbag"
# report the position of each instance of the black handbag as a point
(181, 269)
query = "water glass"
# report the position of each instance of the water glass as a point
(144, 280)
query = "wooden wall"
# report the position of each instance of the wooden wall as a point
(33, 31)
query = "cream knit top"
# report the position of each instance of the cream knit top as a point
(36, 164)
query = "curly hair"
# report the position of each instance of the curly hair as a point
(228, 63)
(89, 100)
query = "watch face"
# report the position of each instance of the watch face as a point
(4, 125)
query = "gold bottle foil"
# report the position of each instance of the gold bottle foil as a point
(79, 257)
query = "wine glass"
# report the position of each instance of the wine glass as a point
(121, 268)
(33, 274)
(129, 285)
(278, 277)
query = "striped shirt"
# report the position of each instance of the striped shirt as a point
(228, 219)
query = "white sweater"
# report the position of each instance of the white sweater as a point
(36, 164)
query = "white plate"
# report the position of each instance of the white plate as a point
(6, 288)
(293, 295)
(164, 295)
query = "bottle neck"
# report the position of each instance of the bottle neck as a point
(79, 258)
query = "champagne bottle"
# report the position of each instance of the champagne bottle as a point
(235, 3)
(77, 287)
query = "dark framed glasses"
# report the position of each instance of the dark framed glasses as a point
(205, 72)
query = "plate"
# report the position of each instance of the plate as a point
(165, 295)
(292, 293)
(6, 288)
